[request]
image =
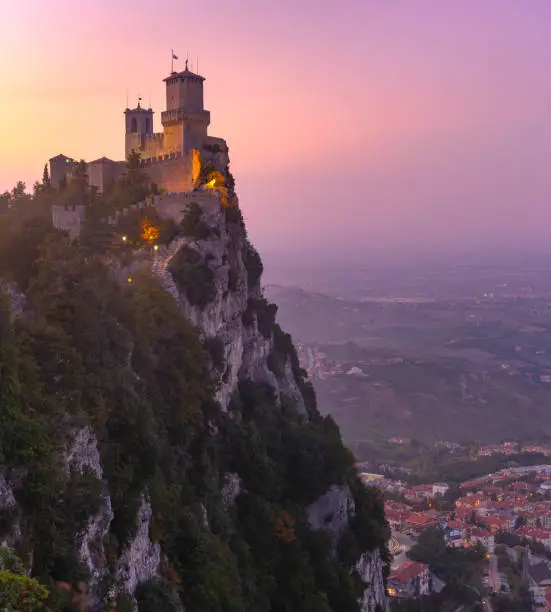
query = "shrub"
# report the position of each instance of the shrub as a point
(253, 264)
(233, 215)
(193, 224)
(266, 314)
(193, 276)
(248, 316)
(155, 596)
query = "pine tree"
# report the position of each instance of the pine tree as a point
(46, 177)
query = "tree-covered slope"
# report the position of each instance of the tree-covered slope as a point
(127, 478)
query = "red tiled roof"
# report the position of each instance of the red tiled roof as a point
(408, 571)
(480, 533)
(456, 524)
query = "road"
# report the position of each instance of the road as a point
(400, 544)
(494, 581)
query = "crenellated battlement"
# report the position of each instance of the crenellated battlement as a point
(159, 159)
(171, 158)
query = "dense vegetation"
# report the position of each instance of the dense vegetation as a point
(430, 463)
(460, 568)
(121, 358)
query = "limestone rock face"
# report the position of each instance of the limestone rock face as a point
(16, 298)
(141, 559)
(231, 489)
(252, 350)
(82, 455)
(370, 569)
(8, 503)
(332, 511)
(246, 350)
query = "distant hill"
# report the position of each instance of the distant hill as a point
(461, 369)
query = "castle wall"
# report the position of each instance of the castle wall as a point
(69, 218)
(173, 138)
(153, 146)
(174, 205)
(195, 133)
(172, 172)
(103, 174)
(172, 95)
(132, 142)
(58, 169)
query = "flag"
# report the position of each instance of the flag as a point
(174, 56)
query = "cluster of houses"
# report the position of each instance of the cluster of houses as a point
(512, 501)
(513, 448)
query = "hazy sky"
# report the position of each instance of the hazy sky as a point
(364, 127)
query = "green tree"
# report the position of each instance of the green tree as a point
(18, 592)
(46, 177)
(63, 184)
(132, 187)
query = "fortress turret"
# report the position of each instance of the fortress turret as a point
(139, 127)
(185, 121)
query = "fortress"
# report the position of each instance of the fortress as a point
(170, 158)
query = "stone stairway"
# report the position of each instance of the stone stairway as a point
(160, 266)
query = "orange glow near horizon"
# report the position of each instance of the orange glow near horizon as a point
(450, 146)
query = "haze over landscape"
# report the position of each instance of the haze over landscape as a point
(363, 129)
(275, 306)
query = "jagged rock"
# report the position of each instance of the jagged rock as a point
(17, 299)
(141, 559)
(332, 511)
(82, 455)
(231, 489)
(370, 569)
(7, 498)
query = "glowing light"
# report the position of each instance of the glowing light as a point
(156, 247)
(124, 238)
(129, 279)
(150, 233)
(211, 183)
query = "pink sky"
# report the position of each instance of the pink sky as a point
(354, 127)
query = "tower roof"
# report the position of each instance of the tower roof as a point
(185, 74)
(138, 109)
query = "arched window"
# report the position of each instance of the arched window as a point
(133, 125)
(147, 125)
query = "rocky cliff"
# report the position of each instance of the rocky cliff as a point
(161, 447)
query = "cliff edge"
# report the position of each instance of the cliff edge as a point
(161, 448)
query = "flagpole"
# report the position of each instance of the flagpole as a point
(172, 61)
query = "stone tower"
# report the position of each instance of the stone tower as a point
(185, 121)
(139, 128)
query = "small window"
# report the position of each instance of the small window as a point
(147, 125)
(133, 125)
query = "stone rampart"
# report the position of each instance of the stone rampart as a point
(153, 145)
(69, 218)
(173, 171)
